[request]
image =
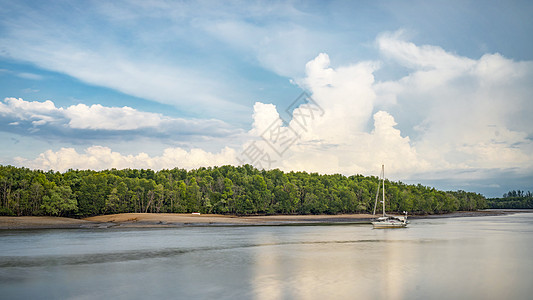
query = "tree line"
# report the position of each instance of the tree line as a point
(242, 190)
(512, 199)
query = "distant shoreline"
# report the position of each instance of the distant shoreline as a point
(148, 220)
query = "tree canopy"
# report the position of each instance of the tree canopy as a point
(513, 199)
(242, 190)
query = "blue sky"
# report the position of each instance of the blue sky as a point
(439, 91)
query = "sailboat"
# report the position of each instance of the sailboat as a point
(387, 221)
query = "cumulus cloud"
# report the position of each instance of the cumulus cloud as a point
(100, 158)
(468, 114)
(335, 130)
(460, 115)
(48, 119)
(344, 93)
(449, 116)
(110, 118)
(263, 117)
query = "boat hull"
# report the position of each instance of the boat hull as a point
(384, 225)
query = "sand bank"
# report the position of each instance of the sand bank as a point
(137, 220)
(173, 220)
(41, 223)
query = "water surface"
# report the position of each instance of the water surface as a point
(459, 258)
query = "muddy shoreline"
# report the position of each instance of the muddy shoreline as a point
(140, 220)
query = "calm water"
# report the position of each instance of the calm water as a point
(462, 258)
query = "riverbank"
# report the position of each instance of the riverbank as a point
(139, 220)
(175, 220)
(40, 223)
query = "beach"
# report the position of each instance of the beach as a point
(136, 220)
(40, 222)
(139, 220)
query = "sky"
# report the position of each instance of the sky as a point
(440, 92)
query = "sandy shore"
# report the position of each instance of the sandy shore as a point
(41, 223)
(173, 220)
(138, 220)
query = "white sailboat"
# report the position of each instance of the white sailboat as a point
(387, 221)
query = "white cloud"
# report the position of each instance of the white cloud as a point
(111, 119)
(26, 109)
(100, 158)
(264, 116)
(133, 66)
(449, 116)
(426, 57)
(39, 113)
(344, 93)
(334, 137)
(467, 113)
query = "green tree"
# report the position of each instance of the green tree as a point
(193, 196)
(60, 201)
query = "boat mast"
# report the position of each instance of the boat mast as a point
(383, 173)
(376, 202)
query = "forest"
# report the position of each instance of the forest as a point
(242, 190)
(512, 199)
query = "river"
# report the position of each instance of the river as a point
(455, 258)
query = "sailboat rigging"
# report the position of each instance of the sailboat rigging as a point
(387, 221)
